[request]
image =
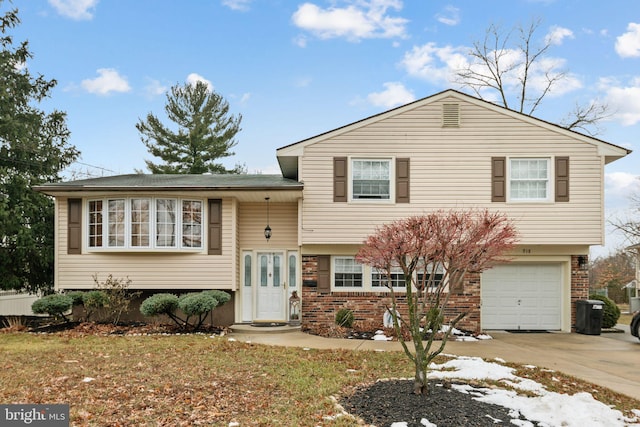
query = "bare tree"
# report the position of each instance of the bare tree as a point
(612, 273)
(630, 226)
(433, 253)
(519, 74)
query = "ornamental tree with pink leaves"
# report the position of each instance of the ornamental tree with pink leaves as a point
(432, 253)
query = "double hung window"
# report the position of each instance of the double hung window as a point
(529, 179)
(381, 278)
(429, 275)
(347, 273)
(371, 179)
(138, 223)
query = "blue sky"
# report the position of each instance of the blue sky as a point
(295, 69)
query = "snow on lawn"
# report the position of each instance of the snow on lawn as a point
(545, 408)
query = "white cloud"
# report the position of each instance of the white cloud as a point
(621, 183)
(300, 41)
(241, 5)
(75, 9)
(548, 67)
(154, 88)
(628, 44)
(624, 102)
(394, 94)
(109, 80)
(556, 35)
(450, 16)
(439, 65)
(194, 78)
(358, 20)
(244, 98)
(433, 63)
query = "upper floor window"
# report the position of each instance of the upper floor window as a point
(137, 223)
(371, 179)
(529, 179)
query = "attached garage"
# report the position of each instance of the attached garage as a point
(522, 297)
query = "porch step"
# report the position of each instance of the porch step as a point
(267, 328)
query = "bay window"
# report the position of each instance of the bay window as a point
(116, 220)
(140, 226)
(192, 223)
(95, 223)
(165, 233)
(145, 223)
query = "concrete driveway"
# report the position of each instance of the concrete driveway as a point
(611, 360)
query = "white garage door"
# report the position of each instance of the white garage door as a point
(522, 297)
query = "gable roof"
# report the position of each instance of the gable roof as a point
(288, 155)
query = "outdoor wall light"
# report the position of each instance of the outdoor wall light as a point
(267, 229)
(582, 262)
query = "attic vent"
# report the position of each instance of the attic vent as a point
(450, 115)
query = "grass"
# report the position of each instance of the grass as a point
(625, 319)
(189, 380)
(625, 316)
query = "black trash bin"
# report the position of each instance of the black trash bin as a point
(589, 316)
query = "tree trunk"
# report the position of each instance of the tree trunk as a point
(420, 382)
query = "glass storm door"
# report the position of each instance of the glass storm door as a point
(270, 296)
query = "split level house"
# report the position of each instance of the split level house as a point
(183, 233)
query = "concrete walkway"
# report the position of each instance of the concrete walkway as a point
(611, 360)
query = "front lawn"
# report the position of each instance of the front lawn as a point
(173, 380)
(182, 379)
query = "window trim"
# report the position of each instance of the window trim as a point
(397, 275)
(153, 226)
(392, 180)
(549, 180)
(334, 272)
(367, 279)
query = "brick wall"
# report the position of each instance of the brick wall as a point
(319, 309)
(579, 286)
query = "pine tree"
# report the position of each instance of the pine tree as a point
(205, 132)
(33, 150)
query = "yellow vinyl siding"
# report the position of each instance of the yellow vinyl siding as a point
(451, 169)
(148, 270)
(283, 220)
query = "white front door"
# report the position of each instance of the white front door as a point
(271, 292)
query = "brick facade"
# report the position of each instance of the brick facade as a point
(319, 309)
(579, 286)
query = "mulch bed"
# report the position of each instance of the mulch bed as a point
(103, 329)
(386, 402)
